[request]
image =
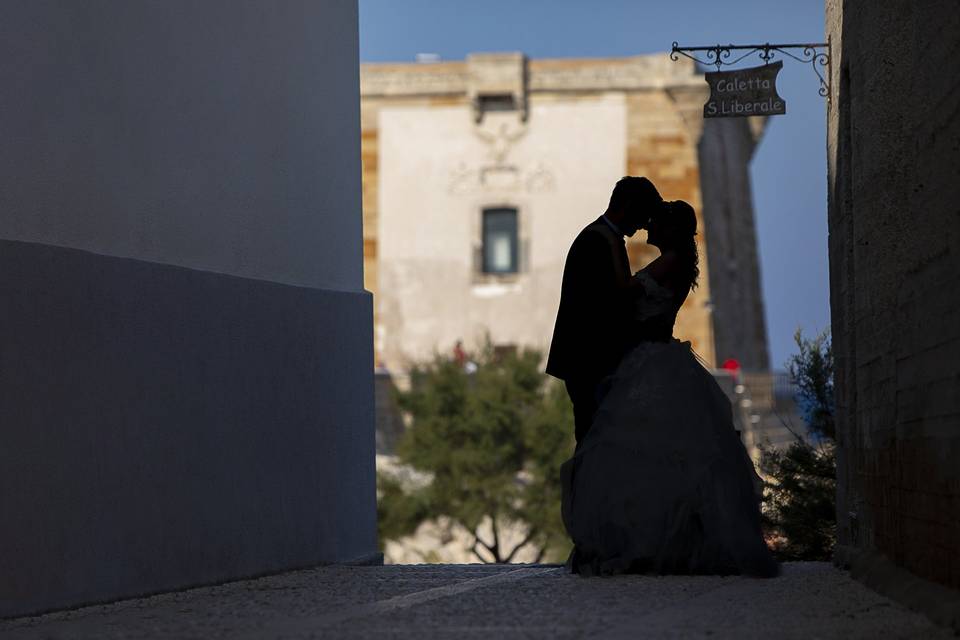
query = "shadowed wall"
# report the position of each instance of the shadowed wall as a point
(186, 344)
(893, 144)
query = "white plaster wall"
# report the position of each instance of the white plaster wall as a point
(432, 191)
(219, 135)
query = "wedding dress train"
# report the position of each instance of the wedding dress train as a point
(662, 483)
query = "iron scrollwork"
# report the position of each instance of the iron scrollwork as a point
(817, 55)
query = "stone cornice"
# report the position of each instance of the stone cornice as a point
(433, 78)
(655, 71)
(606, 74)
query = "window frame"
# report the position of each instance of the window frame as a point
(485, 267)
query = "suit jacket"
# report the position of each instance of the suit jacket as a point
(590, 335)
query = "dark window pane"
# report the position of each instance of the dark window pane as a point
(497, 102)
(500, 240)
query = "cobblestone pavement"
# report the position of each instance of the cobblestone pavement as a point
(810, 600)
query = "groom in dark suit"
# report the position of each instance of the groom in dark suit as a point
(590, 335)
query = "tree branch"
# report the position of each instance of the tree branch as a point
(477, 553)
(486, 546)
(490, 549)
(496, 540)
(523, 543)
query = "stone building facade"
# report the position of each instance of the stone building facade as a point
(478, 174)
(894, 221)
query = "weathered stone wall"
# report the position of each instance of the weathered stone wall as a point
(370, 164)
(661, 146)
(725, 150)
(894, 219)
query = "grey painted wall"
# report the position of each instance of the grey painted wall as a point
(186, 393)
(163, 427)
(218, 135)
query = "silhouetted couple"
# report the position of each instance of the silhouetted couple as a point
(660, 481)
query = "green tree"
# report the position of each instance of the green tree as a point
(799, 507)
(491, 443)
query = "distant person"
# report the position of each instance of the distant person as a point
(459, 355)
(660, 481)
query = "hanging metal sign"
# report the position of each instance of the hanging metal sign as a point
(744, 92)
(753, 92)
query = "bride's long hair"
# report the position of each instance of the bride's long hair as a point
(682, 220)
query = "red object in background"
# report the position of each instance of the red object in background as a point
(731, 365)
(459, 355)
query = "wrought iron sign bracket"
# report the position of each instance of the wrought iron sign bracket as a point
(817, 55)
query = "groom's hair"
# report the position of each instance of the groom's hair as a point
(631, 191)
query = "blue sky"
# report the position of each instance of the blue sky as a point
(789, 167)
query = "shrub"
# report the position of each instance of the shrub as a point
(491, 439)
(799, 507)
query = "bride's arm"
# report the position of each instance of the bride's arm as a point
(662, 268)
(636, 284)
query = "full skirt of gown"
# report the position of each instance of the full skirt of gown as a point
(662, 483)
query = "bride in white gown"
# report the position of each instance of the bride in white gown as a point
(661, 483)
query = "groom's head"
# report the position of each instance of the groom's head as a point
(633, 202)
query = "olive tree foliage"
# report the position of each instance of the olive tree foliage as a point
(491, 439)
(799, 502)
